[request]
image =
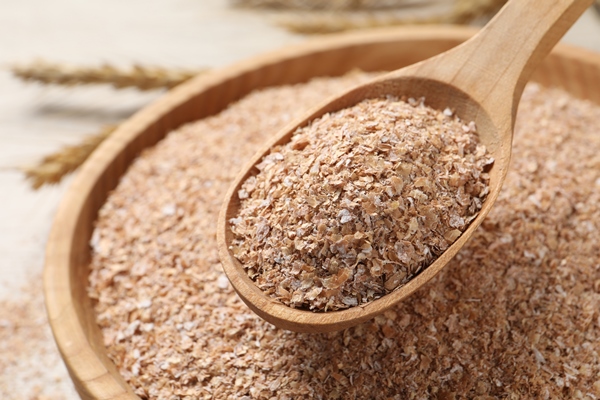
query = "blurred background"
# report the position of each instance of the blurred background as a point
(72, 70)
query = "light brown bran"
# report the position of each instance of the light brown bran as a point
(358, 203)
(514, 315)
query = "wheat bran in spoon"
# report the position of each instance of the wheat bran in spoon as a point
(359, 202)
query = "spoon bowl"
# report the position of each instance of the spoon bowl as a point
(481, 80)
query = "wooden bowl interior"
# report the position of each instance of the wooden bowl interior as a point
(66, 272)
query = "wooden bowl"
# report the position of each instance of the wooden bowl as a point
(66, 271)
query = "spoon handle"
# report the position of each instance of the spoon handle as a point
(502, 56)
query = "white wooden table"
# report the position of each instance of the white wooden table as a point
(35, 120)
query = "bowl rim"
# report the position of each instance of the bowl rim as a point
(94, 375)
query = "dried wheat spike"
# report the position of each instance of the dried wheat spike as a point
(331, 22)
(52, 168)
(462, 12)
(327, 5)
(138, 76)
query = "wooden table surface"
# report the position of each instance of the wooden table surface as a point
(36, 120)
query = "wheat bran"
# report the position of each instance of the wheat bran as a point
(358, 203)
(514, 315)
(30, 365)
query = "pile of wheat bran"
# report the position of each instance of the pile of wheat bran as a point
(514, 315)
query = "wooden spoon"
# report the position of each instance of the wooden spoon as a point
(482, 80)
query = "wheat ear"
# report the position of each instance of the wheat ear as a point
(138, 76)
(52, 168)
(463, 12)
(338, 5)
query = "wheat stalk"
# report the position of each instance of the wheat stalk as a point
(138, 76)
(462, 12)
(52, 168)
